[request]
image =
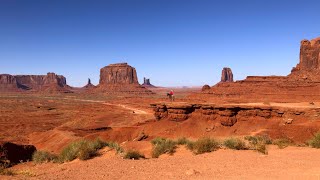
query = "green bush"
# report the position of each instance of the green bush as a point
(282, 143)
(162, 146)
(132, 154)
(116, 147)
(82, 149)
(235, 143)
(183, 141)
(315, 141)
(259, 139)
(259, 143)
(203, 145)
(43, 156)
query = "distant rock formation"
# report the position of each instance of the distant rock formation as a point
(301, 85)
(226, 75)
(89, 85)
(118, 74)
(147, 84)
(309, 65)
(120, 78)
(206, 87)
(47, 83)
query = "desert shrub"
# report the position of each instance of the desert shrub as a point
(262, 148)
(259, 139)
(132, 154)
(162, 146)
(315, 141)
(82, 149)
(203, 145)
(259, 143)
(116, 147)
(183, 141)
(235, 143)
(43, 156)
(282, 142)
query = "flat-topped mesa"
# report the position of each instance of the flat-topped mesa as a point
(226, 75)
(118, 74)
(120, 78)
(50, 83)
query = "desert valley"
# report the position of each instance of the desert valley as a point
(261, 127)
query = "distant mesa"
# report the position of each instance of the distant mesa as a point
(226, 75)
(302, 84)
(44, 83)
(89, 85)
(120, 78)
(147, 84)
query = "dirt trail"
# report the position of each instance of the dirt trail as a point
(289, 163)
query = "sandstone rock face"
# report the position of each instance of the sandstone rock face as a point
(146, 83)
(225, 115)
(50, 82)
(309, 64)
(120, 78)
(15, 153)
(118, 74)
(8, 83)
(226, 75)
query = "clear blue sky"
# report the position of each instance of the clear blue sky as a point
(172, 42)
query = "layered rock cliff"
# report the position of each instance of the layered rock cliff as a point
(120, 78)
(49, 83)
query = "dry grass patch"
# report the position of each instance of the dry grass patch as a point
(315, 141)
(163, 146)
(203, 145)
(133, 154)
(235, 143)
(282, 142)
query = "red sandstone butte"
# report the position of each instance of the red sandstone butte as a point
(226, 75)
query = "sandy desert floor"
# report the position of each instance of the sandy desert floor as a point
(51, 122)
(289, 163)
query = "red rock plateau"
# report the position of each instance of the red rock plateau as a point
(120, 78)
(303, 84)
(34, 83)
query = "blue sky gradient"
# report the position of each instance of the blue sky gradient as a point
(172, 42)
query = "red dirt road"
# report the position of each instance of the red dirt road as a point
(289, 163)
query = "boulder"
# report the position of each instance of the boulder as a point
(15, 153)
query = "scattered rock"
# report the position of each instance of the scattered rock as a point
(288, 121)
(191, 172)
